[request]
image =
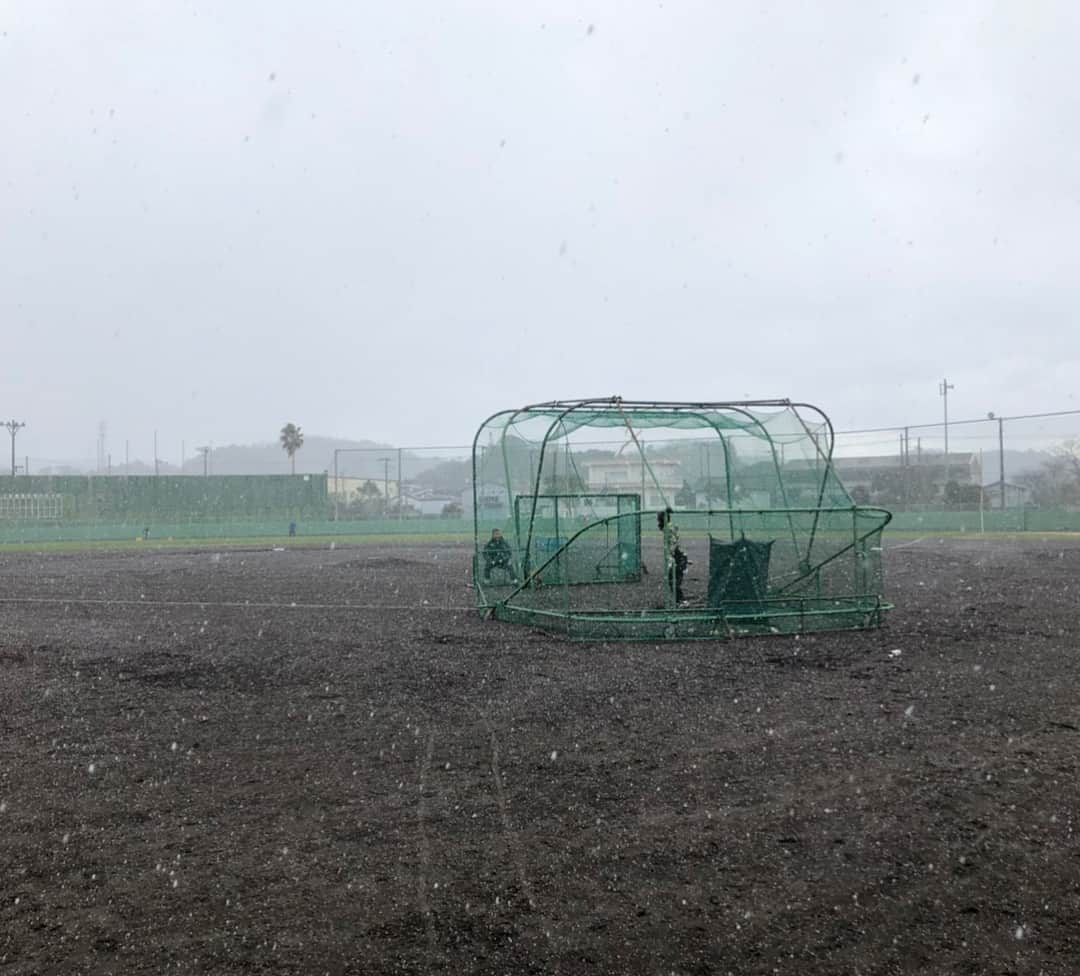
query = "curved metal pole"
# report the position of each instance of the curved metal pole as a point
(566, 410)
(738, 408)
(510, 508)
(686, 409)
(475, 480)
(644, 459)
(828, 467)
(856, 538)
(727, 469)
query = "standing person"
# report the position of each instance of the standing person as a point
(675, 561)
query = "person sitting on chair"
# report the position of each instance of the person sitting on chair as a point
(497, 555)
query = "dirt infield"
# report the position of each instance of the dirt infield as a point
(228, 762)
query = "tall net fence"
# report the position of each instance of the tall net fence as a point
(401, 483)
(384, 492)
(993, 473)
(1010, 474)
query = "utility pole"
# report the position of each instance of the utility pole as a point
(337, 484)
(386, 485)
(907, 463)
(400, 515)
(943, 390)
(13, 427)
(205, 452)
(1001, 454)
(155, 455)
(101, 447)
(1001, 457)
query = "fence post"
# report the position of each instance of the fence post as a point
(1001, 458)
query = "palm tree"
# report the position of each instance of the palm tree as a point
(292, 439)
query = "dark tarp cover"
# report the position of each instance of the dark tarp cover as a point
(738, 574)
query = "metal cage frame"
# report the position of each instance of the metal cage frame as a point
(833, 579)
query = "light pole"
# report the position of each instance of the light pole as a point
(400, 514)
(13, 427)
(386, 485)
(1001, 454)
(943, 389)
(205, 452)
(337, 484)
(1001, 457)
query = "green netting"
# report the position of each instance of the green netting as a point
(549, 521)
(78, 500)
(773, 542)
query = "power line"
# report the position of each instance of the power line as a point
(955, 423)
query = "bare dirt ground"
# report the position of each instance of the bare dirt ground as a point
(227, 762)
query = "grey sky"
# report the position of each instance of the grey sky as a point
(391, 220)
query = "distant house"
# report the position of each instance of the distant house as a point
(428, 502)
(962, 467)
(658, 482)
(347, 486)
(890, 476)
(1015, 495)
(490, 501)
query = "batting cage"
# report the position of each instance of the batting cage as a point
(612, 519)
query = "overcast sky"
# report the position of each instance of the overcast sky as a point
(390, 220)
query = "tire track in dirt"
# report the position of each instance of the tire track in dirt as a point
(425, 848)
(508, 828)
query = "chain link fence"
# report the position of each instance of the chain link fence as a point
(988, 474)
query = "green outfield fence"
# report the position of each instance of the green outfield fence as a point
(41, 509)
(25, 532)
(132, 498)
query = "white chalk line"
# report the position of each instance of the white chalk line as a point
(905, 545)
(236, 604)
